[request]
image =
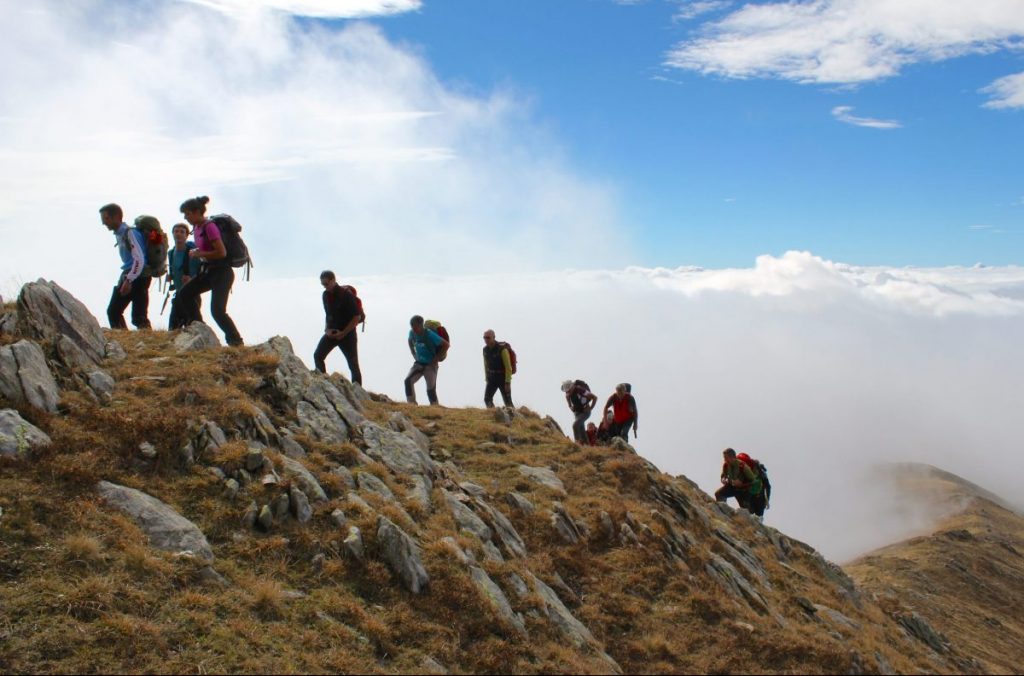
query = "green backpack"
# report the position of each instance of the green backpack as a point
(156, 246)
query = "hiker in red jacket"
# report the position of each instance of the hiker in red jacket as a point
(623, 406)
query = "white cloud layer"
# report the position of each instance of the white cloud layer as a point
(1006, 92)
(821, 369)
(329, 143)
(324, 9)
(845, 114)
(848, 41)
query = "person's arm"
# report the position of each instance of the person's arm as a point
(412, 347)
(636, 412)
(218, 252)
(506, 361)
(138, 258)
(353, 323)
(747, 477)
(607, 405)
(485, 364)
(591, 401)
(193, 266)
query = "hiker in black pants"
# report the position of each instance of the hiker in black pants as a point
(133, 285)
(216, 274)
(342, 317)
(497, 370)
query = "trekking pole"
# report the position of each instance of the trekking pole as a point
(166, 298)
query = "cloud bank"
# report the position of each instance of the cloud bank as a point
(847, 41)
(845, 114)
(330, 142)
(324, 9)
(1006, 92)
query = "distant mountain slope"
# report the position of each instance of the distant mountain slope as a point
(966, 578)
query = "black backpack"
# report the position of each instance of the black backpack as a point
(579, 402)
(231, 234)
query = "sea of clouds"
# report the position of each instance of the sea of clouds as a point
(338, 148)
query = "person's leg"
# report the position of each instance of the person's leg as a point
(185, 304)
(757, 504)
(493, 383)
(623, 430)
(506, 393)
(116, 308)
(323, 349)
(430, 374)
(174, 320)
(350, 348)
(140, 302)
(222, 278)
(579, 427)
(415, 373)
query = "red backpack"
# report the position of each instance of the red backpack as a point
(359, 302)
(511, 355)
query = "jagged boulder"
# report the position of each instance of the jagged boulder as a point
(544, 476)
(466, 519)
(46, 311)
(167, 529)
(369, 482)
(8, 323)
(17, 435)
(25, 376)
(566, 622)
(196, 336)
(496, 598)
(400, 423)
(402, 555)
(102, 385)
(506, 532)
(400, 453)
(304, 478)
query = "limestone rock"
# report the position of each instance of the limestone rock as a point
(266, 518)
(472, 489)
(46, 311)
(836, 617)
(282, 506)
(400, 453)
(326, 426)
(346, 476)
(564, 525)
(338, 517)
(8, 324)
(196, 336)
(25, 376)
(733, 582)
(354, 500)
(304, 478)
(254, 460)
(353, 543)
(167, 529)
(545, 477)
(504, 529)
(72, 356)
(290, 447)
(400, 423)
(419, 494)
(919, 628)
(402, 555)
(300, 505)
(496, 599)
(369, 482)
(519, 503)
(252, 513)
(114, 351)
(17, 435)
(566, 623)
(102, 385)
(466, 519)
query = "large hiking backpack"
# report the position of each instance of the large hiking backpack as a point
(155, 247)
(436, 327)
(511, 355)
(579, 402)
(231, 234)
(359, 302)
(759, 470)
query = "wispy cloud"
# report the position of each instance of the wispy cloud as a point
(1006, 92)
(688, 11)
(844, 114)
(323, 9)
(847, 41)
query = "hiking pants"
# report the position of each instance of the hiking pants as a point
(495, 383)
(622, 430)
(217, 279)
(427, 371)
(757, 504)
(579, 427)
(742, 495)
(177, 319)
(138, 298)
(349, 347)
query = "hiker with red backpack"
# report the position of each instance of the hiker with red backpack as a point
(344, 313)
(742, 481)
(428, 350)
(132, 286)
(499, 365)
(624, 412)
(216, 273)
(581, 402)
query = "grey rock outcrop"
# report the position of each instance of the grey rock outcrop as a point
(369, 482)
(353, 543)
(566, 623)
(102, 385)
(402, 555)
(545, 477)
(466, 519)
(17, 435)
(919, 628)
(400, 453)
(496, 598)
(167, 529)
(400, 423)
(25, 376)
(304, 478)
(8, 324)
(300, 505)
(419, 494)
(196, 336)
(564, 525)
(504, 529)
(46, 311)
(520, 503)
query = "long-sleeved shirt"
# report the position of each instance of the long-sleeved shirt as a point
(132, 249)
(179, 264)
(498, 360)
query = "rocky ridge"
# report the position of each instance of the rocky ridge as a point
(454, 540)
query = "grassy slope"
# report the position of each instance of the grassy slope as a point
(965, 578)
(80, 590)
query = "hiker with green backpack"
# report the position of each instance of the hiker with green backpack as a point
(216, 273)
(141, 259)
(344, 312)
(499, 365)
(428, 349)
(740, 481)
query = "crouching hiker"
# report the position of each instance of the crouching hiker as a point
(499, 365)
(622, 406)
(759, 501)
(181, 269)
(132, 286)
(581, 402)
(215, 275)
(341, 307)
(426, 347)
(738, 481)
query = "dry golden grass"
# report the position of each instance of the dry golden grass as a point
(127, 607)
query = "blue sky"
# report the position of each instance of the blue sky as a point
(714, 170)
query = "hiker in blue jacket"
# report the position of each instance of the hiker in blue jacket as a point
(426, 347)
(181, 268)
(132, 286)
